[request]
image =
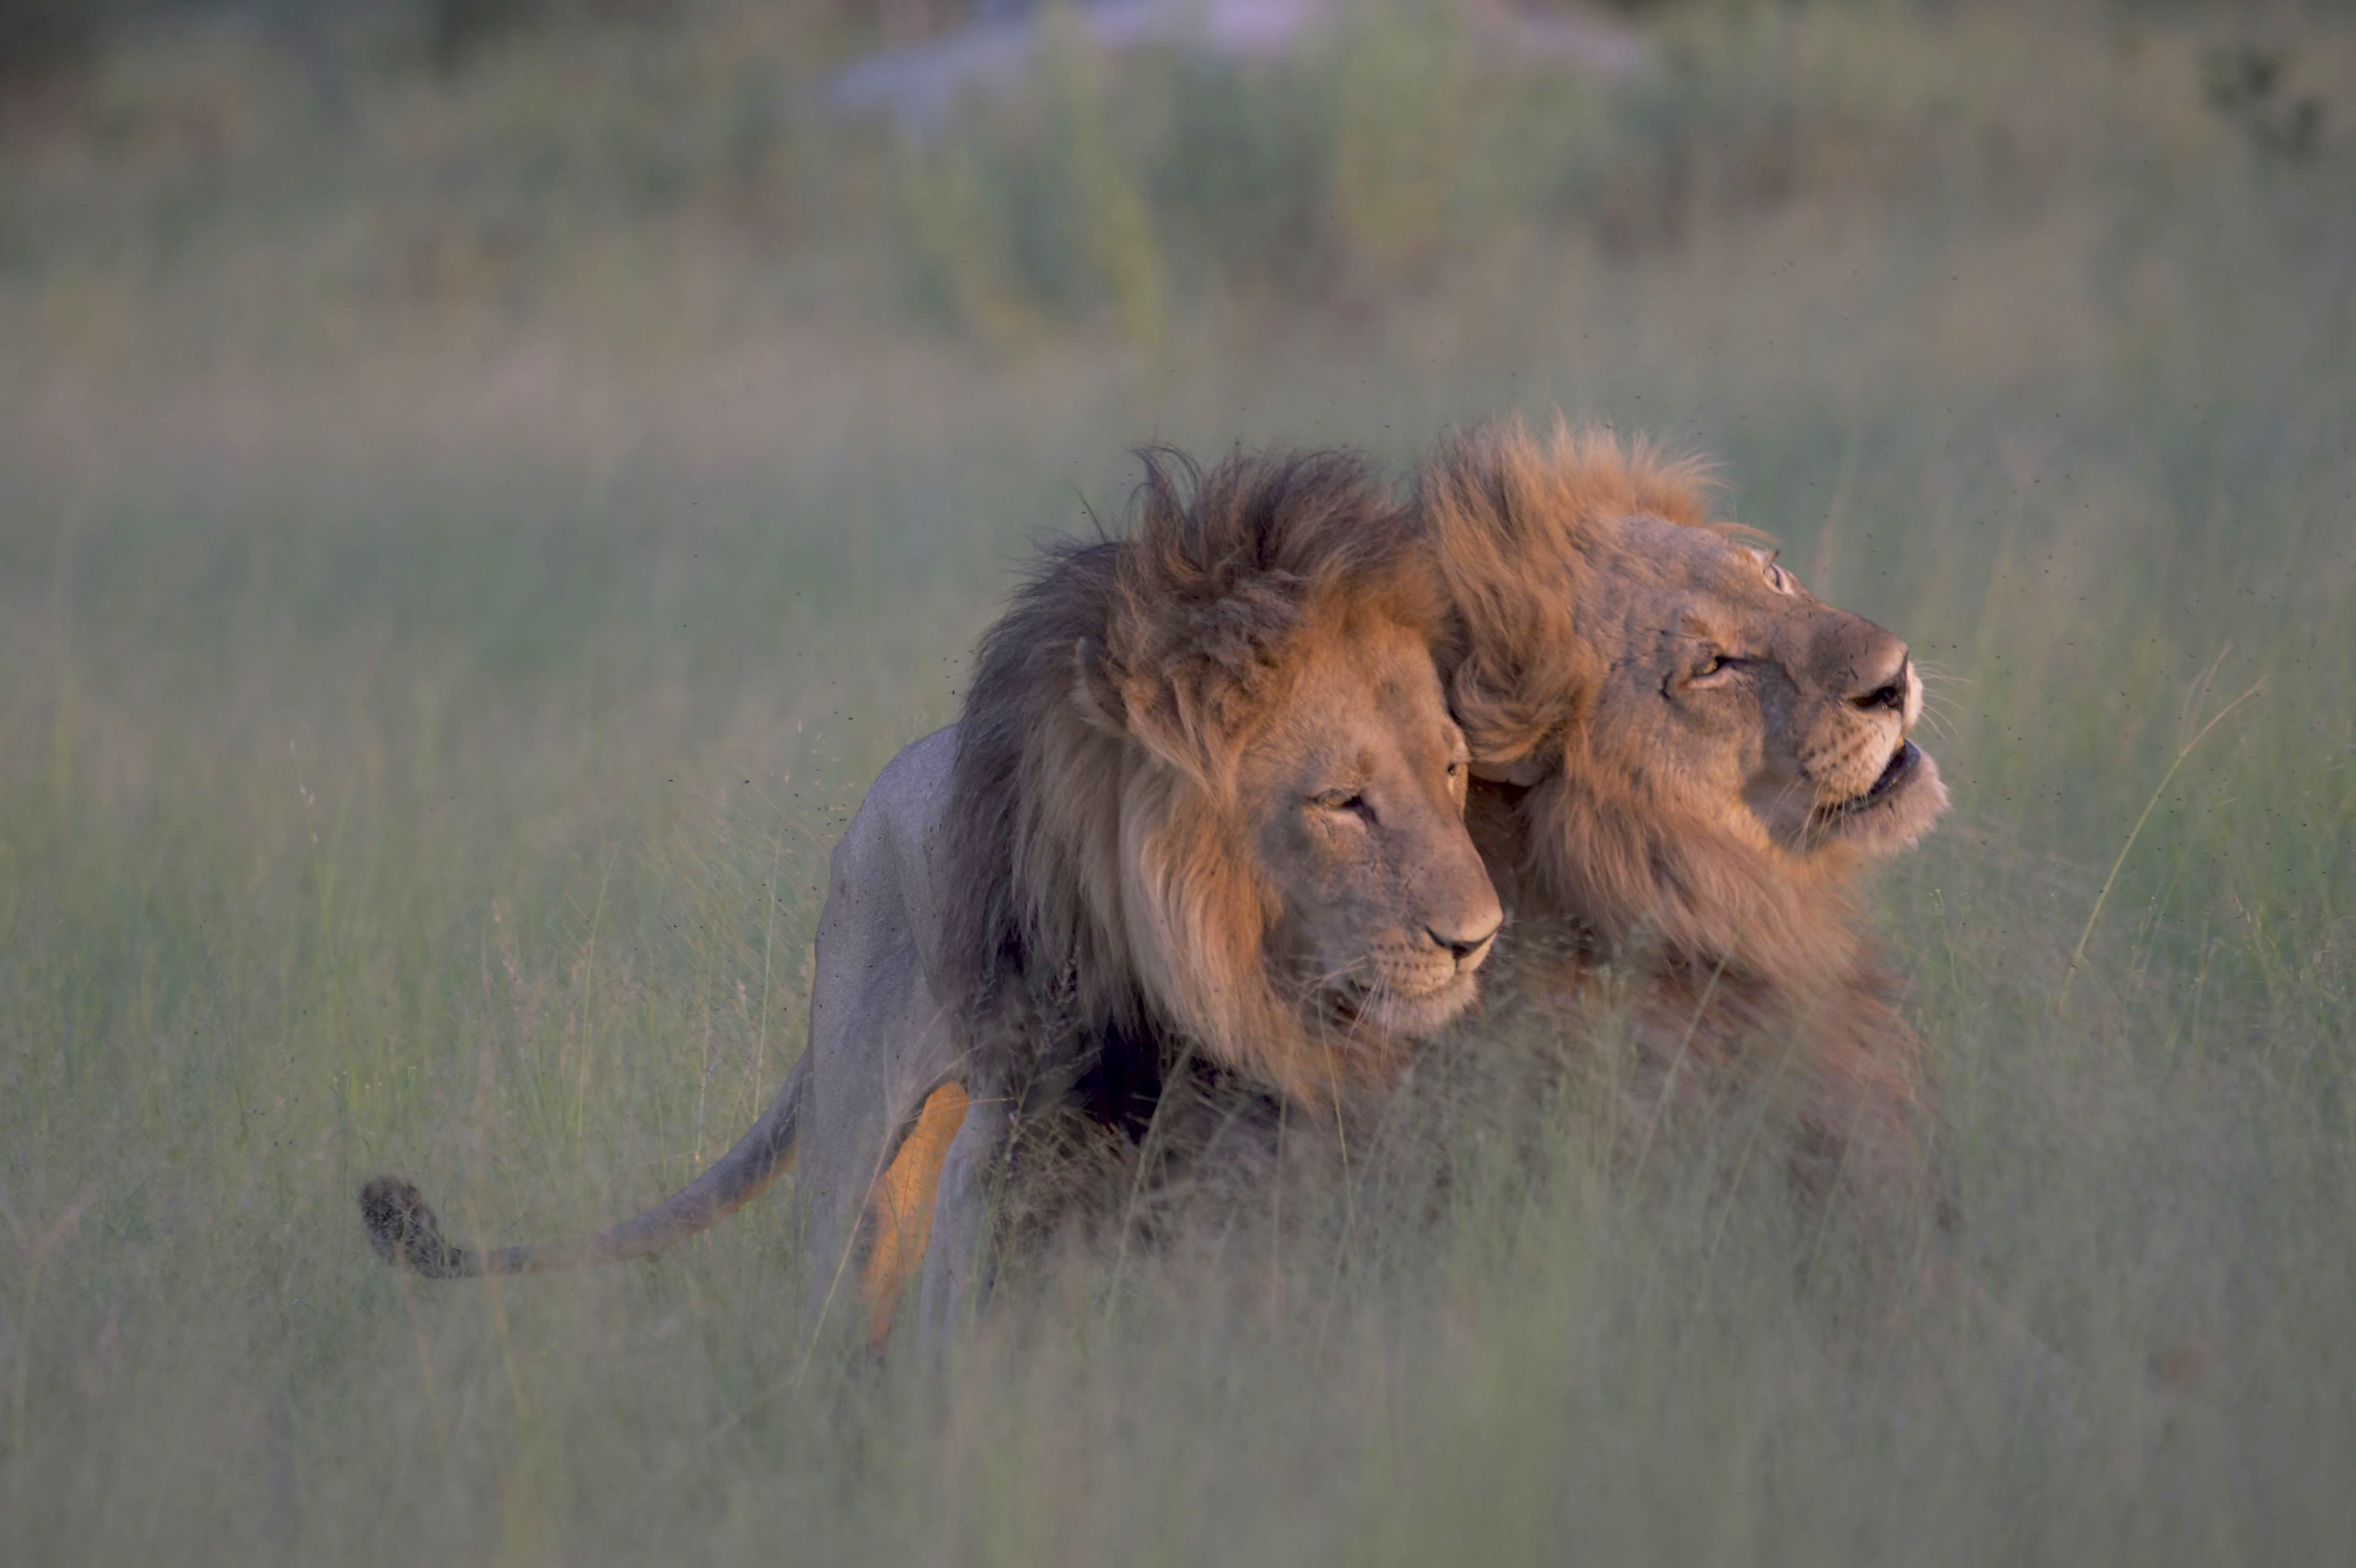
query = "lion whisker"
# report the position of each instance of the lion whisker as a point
(1326, 980)
(1943, 720)
(1316, 993)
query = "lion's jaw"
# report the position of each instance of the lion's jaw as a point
(1341, 824)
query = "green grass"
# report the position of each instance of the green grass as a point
(428, 717)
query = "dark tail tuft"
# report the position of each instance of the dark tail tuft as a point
(405, 1232)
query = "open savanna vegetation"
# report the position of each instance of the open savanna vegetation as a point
(473, 522)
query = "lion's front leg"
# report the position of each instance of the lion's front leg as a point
(901, 1211)
(958, 1263)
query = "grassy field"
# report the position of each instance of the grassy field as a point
(439, 658)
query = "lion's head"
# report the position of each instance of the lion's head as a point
(1208, 788)
(1710, 751)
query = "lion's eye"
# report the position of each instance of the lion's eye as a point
(1713, 663)
(1778, 578)
(1338, 800)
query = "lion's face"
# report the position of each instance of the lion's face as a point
(1728, 695)
(1351, 790)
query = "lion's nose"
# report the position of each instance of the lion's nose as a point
(1467, 950)
(1881, 688)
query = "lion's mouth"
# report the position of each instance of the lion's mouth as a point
(1901, 767)
(1902, 802)
(1385, 1007)
(1902, 762)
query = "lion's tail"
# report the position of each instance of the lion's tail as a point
(405, 1232)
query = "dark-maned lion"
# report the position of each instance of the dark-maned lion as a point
(1205, 797)
(1684, 760)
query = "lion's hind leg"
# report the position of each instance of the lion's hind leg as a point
(903, 1206)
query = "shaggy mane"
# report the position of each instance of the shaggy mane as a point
(1503, 506)
(1097, 910)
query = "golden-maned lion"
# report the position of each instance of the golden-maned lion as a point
(1205, 797)
(1682, 762)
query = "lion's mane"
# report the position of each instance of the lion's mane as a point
(1104, 910)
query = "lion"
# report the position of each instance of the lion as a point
(1204, 803)
(1683, 761)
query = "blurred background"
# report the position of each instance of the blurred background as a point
(484, 484)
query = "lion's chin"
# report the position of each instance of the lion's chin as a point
(1384, 1012)
(1900, 809)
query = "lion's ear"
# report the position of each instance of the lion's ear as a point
(1150, 709)
(1171, 717)
(1173, 713)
